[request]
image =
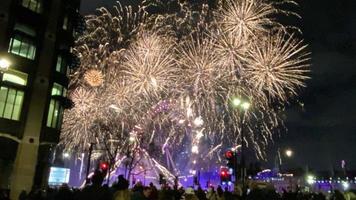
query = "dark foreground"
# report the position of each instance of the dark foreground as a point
(120, 191)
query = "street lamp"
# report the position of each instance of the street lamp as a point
(4, 64)
(289, 153)
(244, 106)
(310, 179)
(66, 155)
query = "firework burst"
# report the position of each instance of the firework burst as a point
(115, 28)
(149, 66)
(278, 65)
(246, 17)
(199, 57)
(252, 18)
(203, 79)
(77, 121)
(94, 78)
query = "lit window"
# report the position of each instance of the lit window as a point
(22, 46)
(61, 66)
(15, 77)
(58, 90)
(65, 23)
(11, 101)
(55, 114)
(55, 109)
(34, 5)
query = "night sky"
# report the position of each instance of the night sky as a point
(323, 131)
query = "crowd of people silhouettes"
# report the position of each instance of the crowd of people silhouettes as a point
(96, 190)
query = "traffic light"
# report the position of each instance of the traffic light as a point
(104, 166)
(225, 175)
(231, 159)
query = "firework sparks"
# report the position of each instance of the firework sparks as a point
(278, 65)
(141, 68)
(205, 82)
(246, 17)
(232, 51)
(116, 28)
(78, 120)
(94, 78)
(149, 66)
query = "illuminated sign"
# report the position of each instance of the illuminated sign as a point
(58, 176)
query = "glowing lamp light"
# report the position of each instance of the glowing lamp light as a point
(345, 185)
(66, 155)
(310, 179)
(289, 153)
(236, 102)
(4, 64)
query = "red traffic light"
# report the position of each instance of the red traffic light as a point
(229, 154)
(104, 166)
(224, 172)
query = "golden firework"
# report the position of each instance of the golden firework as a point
(94, 78)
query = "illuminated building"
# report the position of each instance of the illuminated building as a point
(35, 39)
